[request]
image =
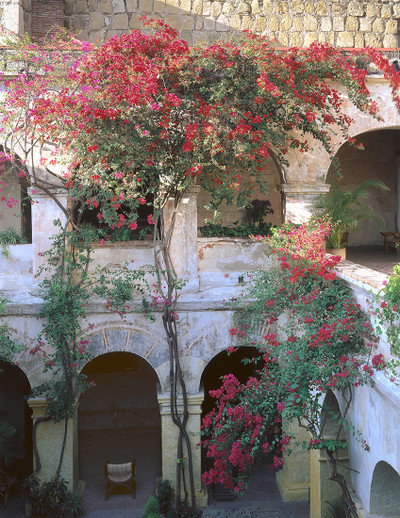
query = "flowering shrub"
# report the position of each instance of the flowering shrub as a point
(314, 340)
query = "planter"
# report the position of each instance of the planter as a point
(337, 251)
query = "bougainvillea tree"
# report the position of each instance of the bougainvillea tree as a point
(137, 120)
(314, 339)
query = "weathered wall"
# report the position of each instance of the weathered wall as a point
(292, 22)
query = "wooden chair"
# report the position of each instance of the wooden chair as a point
(391, 241)
(6, 484)
(120, 475)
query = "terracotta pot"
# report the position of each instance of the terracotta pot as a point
(337, 251)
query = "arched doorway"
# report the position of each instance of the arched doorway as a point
(14, 392)
(385, 491)
(119, 420)
(379, 159)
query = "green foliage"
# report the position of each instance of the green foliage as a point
(164, 494)
(10, 236)
(239, 230)
(186, 511)
(7, 432)
(335, 509)
(52, 499)
(151, 509)
(387, 313)
(345, 209)
(8, 347)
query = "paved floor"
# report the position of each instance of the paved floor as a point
(373, 257)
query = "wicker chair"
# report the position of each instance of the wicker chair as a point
(120, 475)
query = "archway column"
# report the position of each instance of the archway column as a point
(49, 439)
(169, 439)
(298, 200)
(294, 478)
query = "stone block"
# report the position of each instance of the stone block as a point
(365, 24)
(355, 8)
(396, 11)
(236, 22)
(105, 6)
(359, 39)
(206, 8)
(352, 24)
(378, 26)
(187, 36)
(199, 23)
(330, 38)
(199, 37)
(286, 22)
(296, 39)
(111, 33)
(282, 7)
(260, 24)
(390, 41)
(345, 39)
(96, 21)
(146, 6)
(273, 24)
(187, 23)
(309, 7)
(118, 6)
(120, 22)
(322, 9)
(198, 6)
(337, 9)
(338, 23)
(255, 7)
(243, 8)
(186, 5)
(134, 22)
(283, 39)
(69, 7)
(227, 7)
(216, 9)
(372, 10)
(310, 38)
(297, 6)
(172, 7)
(209, 24)
(98, 36)
(222, 23)
(80, 23)
(81, 6)
(267, 6)
(131, 6)
(92, 5)
(373, 40)
(84, 36)
(297, 23)
(310, 23)
(386, 11)
(391, 27)
(326, 24)
(173, 21)
(247, 23)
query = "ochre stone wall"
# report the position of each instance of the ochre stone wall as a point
(345, 23)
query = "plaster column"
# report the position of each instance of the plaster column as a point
(169, 438)
(298, 199)
(49, 438)
(322, 489)
(294, 478)
(44, 211)
(183, 249)
(12, 16)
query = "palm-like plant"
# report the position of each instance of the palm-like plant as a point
(7, 432)
(345, 209)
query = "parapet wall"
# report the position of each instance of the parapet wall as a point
(342, 23)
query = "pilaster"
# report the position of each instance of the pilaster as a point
(298, 200)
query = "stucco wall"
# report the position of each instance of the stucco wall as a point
(291, 22)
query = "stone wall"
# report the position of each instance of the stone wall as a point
(344, 23)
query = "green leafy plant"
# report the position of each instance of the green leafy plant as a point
(239, 230)
(52, 499)
(165, 494)
(10, 236)
(7, 432)
(335, 509)
(345, 209)
(151, 509)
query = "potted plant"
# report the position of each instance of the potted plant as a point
(164, 494)
(344, 210)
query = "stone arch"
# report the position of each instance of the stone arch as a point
(119, 420)
(331, 416)
(385, 490)
(380, 159)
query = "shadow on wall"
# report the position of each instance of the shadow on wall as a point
(385, 491)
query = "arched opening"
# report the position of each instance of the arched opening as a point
(379, 159)
(271, 177)
(14, 392)
(385, 491)
(119, 420)
(331, 418)
(222, 364)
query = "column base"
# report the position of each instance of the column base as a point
(291, 494)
